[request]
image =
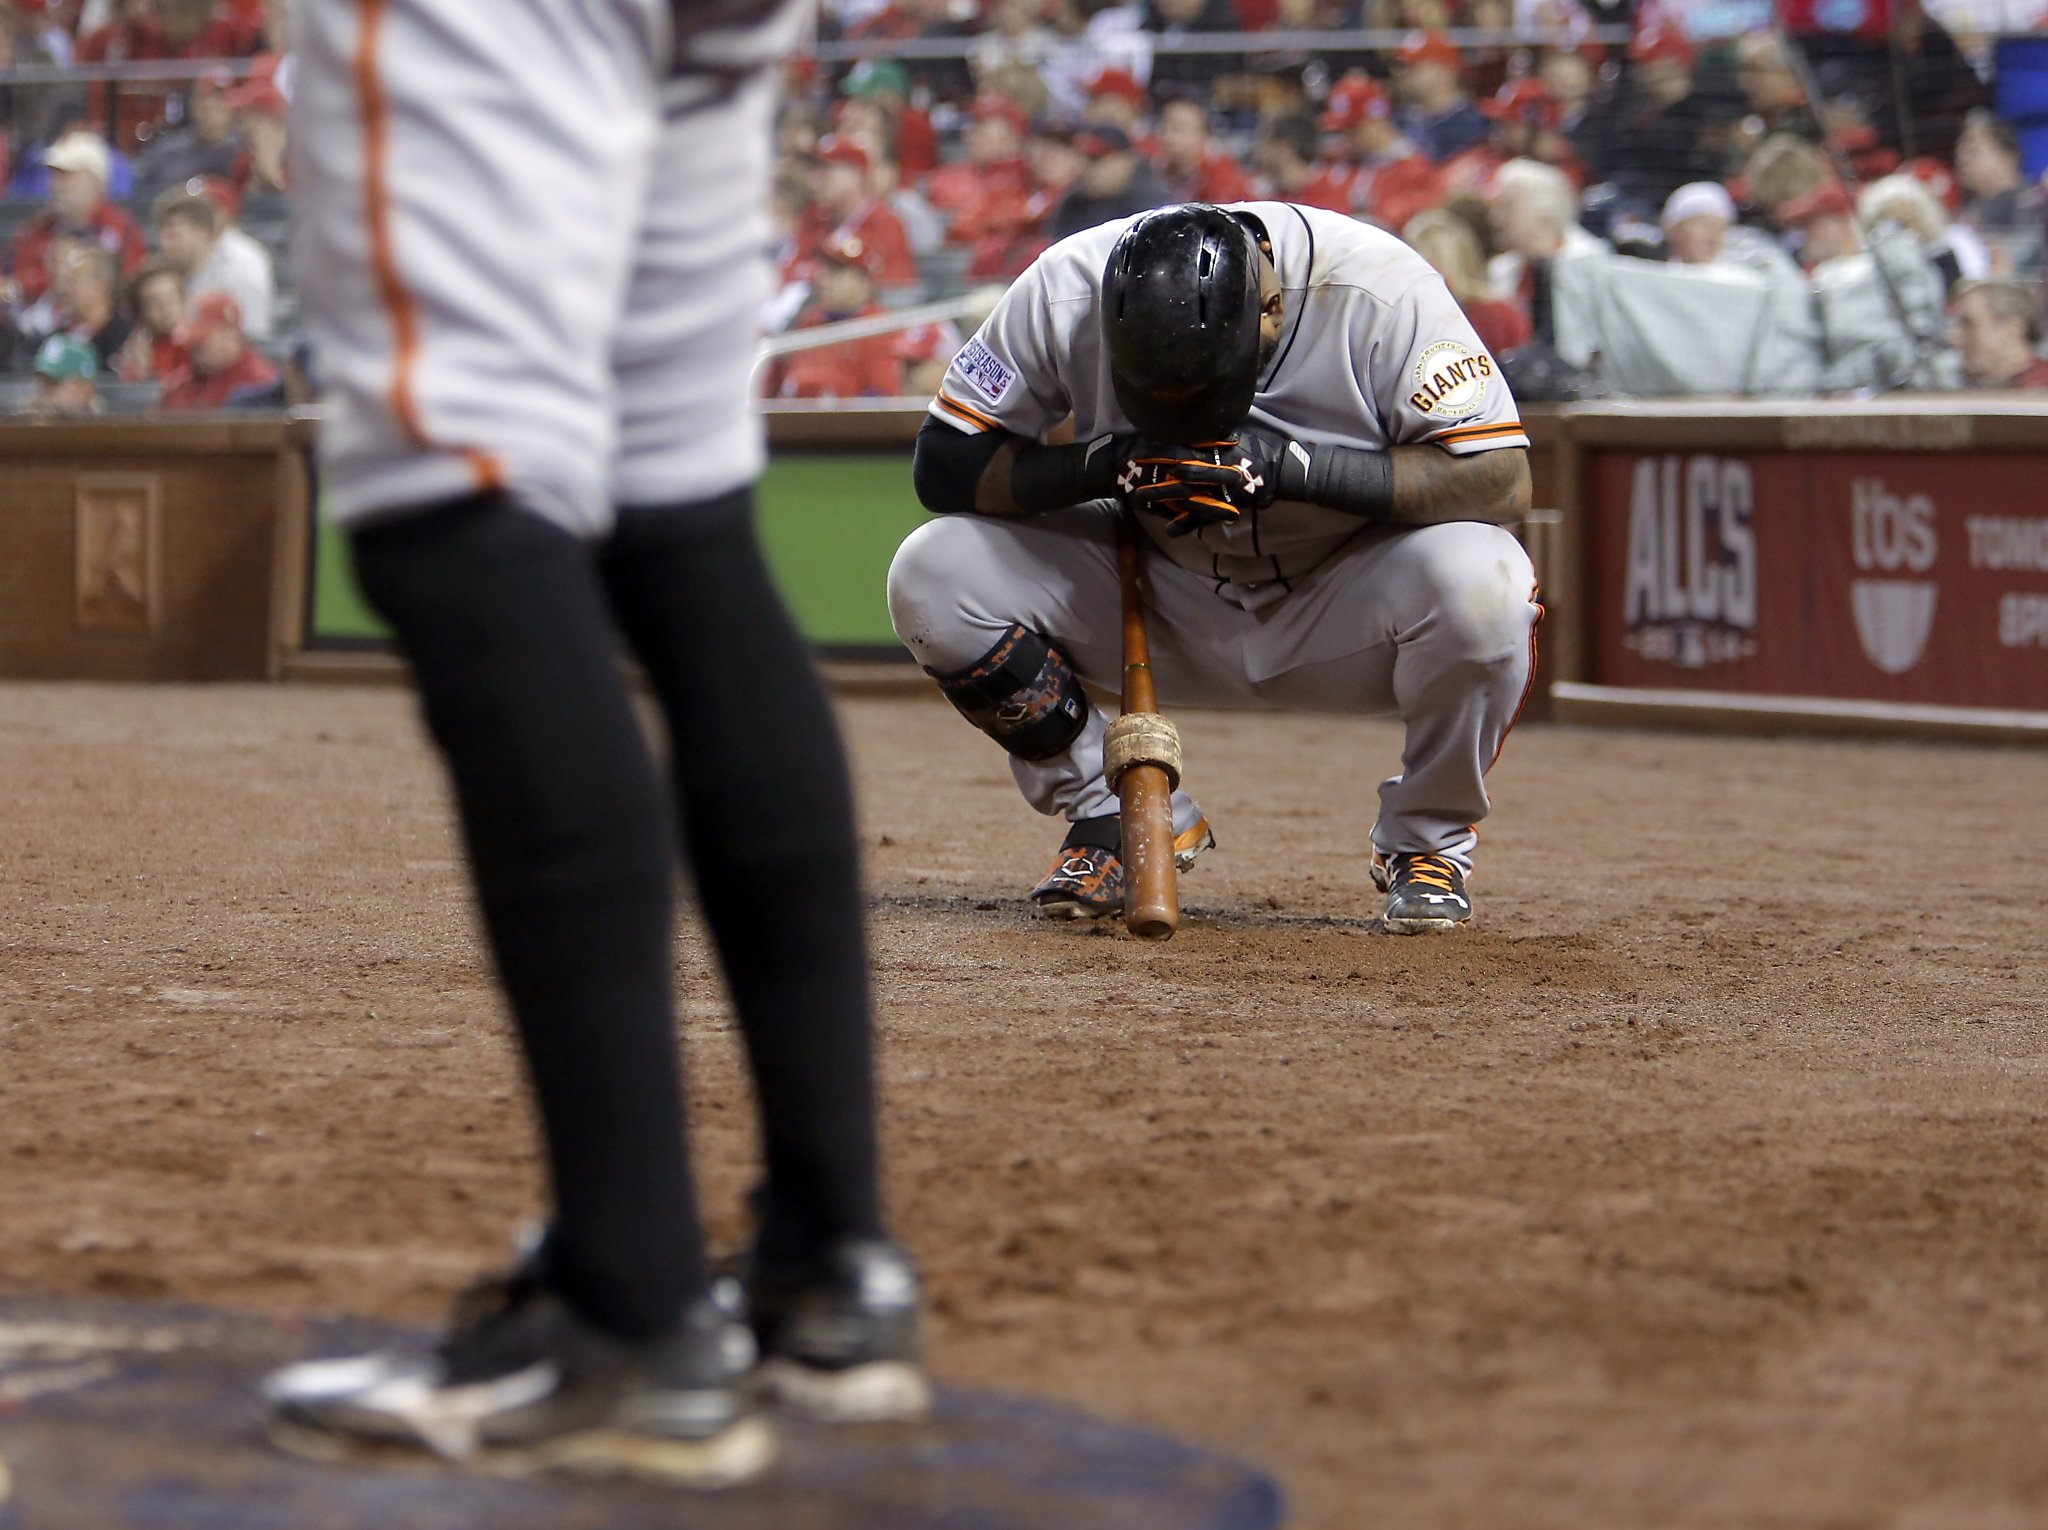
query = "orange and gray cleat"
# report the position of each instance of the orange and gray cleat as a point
(1425, 893)
(1087, 880)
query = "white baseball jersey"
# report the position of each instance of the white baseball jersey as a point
(1375, 353)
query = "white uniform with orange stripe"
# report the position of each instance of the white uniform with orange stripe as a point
(531, 244)
(1298, 606)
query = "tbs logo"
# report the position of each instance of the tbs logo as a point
(1891, 535)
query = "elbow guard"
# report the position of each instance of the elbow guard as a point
(946, 465)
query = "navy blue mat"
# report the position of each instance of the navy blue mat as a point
(117, 1417)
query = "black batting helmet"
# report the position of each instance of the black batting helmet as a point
(1180, 320)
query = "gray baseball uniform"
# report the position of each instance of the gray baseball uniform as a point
(579, 330)
(1298, 606)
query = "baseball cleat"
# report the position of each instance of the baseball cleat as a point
(1087, 881)
(521, 1384)
(840, 1340)
(1425, 893)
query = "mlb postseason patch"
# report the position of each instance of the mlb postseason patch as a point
(1450, 380)
(978, 364)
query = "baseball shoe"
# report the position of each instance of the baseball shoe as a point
(521, 1384)
(1087, 880)
(1425, 893)
(841, 1340)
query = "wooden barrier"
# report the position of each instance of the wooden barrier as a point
(1870, 566)
(152, 549)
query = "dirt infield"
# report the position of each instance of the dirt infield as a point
(1704, 1184)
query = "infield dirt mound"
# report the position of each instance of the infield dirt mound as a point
(1701, 1185)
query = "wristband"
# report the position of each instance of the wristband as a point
(1046, 478)
(1342, 478)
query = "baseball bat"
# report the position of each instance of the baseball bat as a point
(1145, 786)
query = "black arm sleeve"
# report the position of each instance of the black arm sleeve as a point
(1349, 479)
(946, 465)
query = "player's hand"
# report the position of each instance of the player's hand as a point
(1177, 483)
(1253, 470)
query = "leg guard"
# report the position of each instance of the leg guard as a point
(1022, 693)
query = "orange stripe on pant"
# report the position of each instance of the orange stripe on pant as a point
(392, 294)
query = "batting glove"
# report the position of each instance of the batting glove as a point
(1177, 483)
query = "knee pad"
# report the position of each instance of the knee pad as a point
(1022, 693)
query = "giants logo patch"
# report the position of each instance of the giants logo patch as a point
(988, 376)
(1450, 380)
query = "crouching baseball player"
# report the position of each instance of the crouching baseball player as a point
(1325, 458)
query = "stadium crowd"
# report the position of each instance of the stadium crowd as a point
(1624, 199)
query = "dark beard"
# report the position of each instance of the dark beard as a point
(1267, 346)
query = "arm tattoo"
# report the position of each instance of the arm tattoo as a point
(1432, 486)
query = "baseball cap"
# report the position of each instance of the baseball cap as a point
(1825, 200)
(63, 357)
(849, 251)
(220, 191)
(1430, 47)
(1660, 40)
(1524, 100)
(1118, 82)
(874, 77)
(1098, 139)
(834, 150)
(1354, 99)
(1699, 199)
(83, 152)
(208, 312)
(988, 104)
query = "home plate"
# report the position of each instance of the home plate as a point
(121, 1417)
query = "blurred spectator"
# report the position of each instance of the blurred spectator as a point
(78, 199)
(1571, 73)
(844, 206)
(205, 146)
(135, 34)
(1662, 136)
(87, 285)
(1996, 330)
(1114, 183)
(63, 116)
(156, 297)
(843, 288)
(218, 370)
(1524, 120)
(1696, 220)
(1188, 163)
(885, 84)
(1954, 248)
(1783, 168)
(1006, 234)
(1821, 224)
(1534, 215)
(1116, 99)
(209, 259)
(1447, 242)
(1171, 20)
(1437, 115)
(1769, 87)
(259, 106)
(1385, 177)
(1919, 86)
(209, 29)
(1284, 156)
(1017, 34)
(993, 167)
(2000, 205)
(66, 372)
